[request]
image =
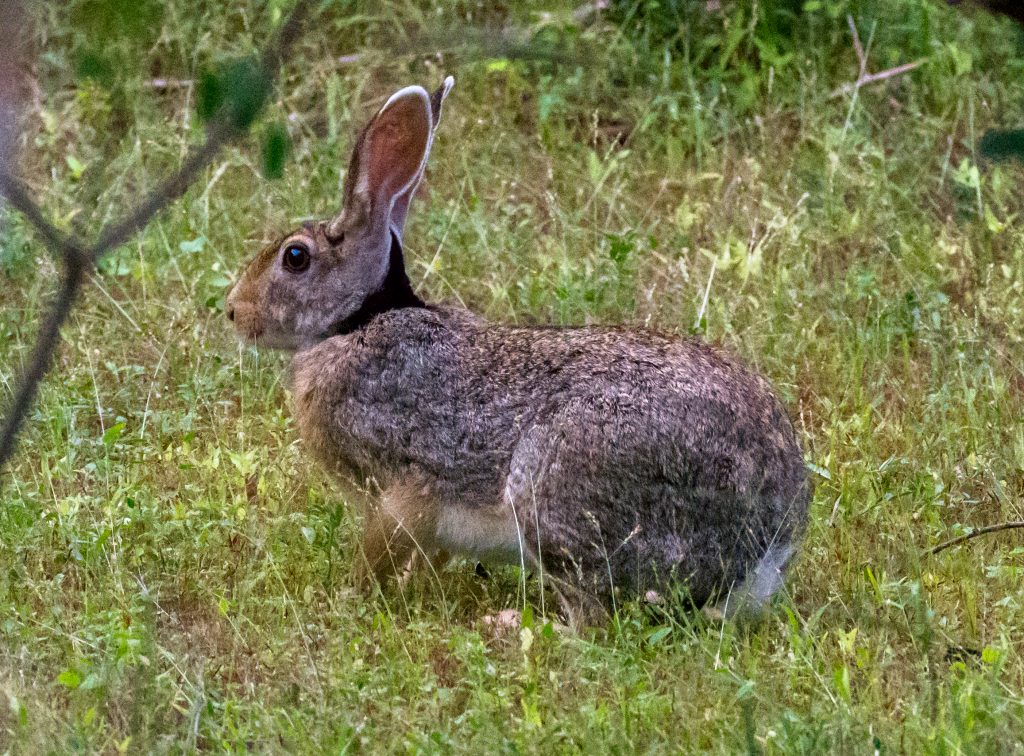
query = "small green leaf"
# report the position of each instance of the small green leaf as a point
(276, 146)
(745, 690)
(991, 655)
(657, 635)
(819, 470)
(77, 169)
(92, 65)
(527, 618)
(248, 88)
(620, 247)
(191, 246)
(112, 435)
(238, 91)
(209, 96)
(116, 264)
(841, 678)
(70, 679)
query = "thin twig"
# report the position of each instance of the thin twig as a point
(79, 259)
(875, 78)
(1012, 525)
(862, 58)
(168, 83)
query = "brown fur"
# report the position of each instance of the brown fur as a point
(613, 461)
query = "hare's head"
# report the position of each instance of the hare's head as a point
(332, 276)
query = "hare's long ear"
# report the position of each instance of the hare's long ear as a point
(387, 161)
(401, 208)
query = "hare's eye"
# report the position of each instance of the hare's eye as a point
(296, 258)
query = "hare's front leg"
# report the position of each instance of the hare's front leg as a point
(400, 525)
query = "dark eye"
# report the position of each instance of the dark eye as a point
(296, 258)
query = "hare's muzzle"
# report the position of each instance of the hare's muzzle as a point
(243, 313)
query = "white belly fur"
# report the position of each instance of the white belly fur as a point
(486, 533)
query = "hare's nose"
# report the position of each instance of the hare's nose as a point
(231, 312)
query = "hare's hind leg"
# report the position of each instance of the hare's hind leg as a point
(401, 524)
(420, 560)
(562, 539)
(582, 610)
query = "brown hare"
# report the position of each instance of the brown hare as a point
(612, 462)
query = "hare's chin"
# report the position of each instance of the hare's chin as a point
(265, 340)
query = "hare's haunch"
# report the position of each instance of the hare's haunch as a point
(615, 461)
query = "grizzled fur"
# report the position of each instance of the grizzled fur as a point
(615, 461)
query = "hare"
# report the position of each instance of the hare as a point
(610, 461)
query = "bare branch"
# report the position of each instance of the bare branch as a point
(46, 343)
(1012, 525)
(169, 190)
(875, 78)
(168, 83)
(858, 48)
(221, 131)
(57, 241)
(78, 259)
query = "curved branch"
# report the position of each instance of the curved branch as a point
(46, 343)
(12, 189)
(168, 190)
(78, 259)
(1012, 525)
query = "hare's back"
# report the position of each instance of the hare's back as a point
(644, 390)
(675, 412)
(676, 381)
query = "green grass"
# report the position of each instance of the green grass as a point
(174, 571)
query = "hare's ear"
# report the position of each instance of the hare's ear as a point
(387, 161)
(401, 208)
(437, 99)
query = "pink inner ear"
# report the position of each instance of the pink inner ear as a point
(397, 145)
